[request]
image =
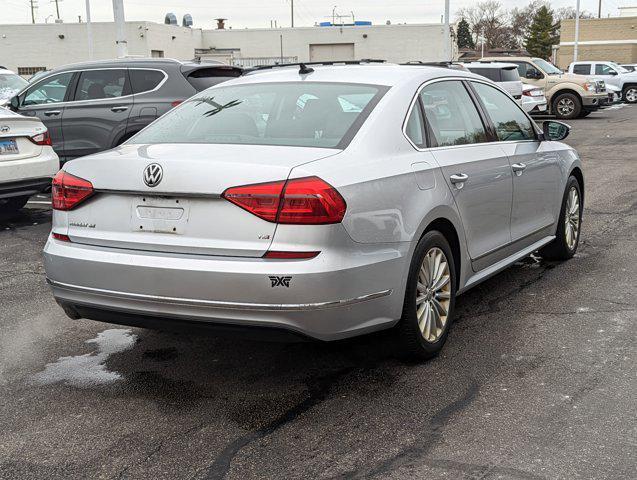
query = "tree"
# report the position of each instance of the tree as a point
(465, 40)
(520, 18)
(542, 34)
(488, 18)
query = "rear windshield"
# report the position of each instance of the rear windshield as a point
(203, 78)
(497, 74)
(294, 113)
(510, 75)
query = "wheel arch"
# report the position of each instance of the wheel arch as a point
(577, 173)
(563, 91)
(448, 230)
(123, 137)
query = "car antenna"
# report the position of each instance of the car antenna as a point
(304, 70)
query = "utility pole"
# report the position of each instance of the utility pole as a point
(89, 30)
(575, 44)
(118, 14)
(599, 10)
(57, 9)
(447, 34)
(292, 11)
(34, 6)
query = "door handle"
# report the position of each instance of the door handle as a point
(51, 113)
(458, 179)
(119, 109)
(518, 168)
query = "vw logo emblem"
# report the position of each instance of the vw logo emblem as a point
(5, 129)
(153, 174)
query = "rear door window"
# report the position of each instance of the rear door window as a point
(145, 80)
(582, 69)
(451, 114)
(102, 84)
(510, 75)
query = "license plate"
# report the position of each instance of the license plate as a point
(8, 147)
(160, 215)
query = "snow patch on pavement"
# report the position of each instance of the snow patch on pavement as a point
(90, 369)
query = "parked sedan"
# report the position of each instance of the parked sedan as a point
(90, 107)
(533, 99)
(27, 161)
(325, 201)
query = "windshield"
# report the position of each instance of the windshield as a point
(294, 113)
(548, 67)
(618, 67)
(10, 84)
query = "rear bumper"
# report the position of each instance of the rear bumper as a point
(29, 175)
(24, 187)
(329, 297)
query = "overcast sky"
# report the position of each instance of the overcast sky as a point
(255, 13)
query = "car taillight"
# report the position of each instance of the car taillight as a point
(68, 191)
(300, 201)
(176, 102)
(43, 138)
(61, 237)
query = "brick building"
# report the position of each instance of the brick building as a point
(612, 39)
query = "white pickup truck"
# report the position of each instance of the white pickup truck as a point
(613, 74)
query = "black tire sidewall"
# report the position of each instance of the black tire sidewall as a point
(410, 331)
(561, 233)
(576, 111)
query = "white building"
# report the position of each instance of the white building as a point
(628, 11)
(28, 48)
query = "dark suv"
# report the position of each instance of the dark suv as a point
(94, 106)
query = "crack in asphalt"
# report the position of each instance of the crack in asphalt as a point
(418, 450)
(318, 391)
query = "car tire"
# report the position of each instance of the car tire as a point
(424, 327)
(629, 94)
(567, 106)
(9, 206)
(569, 225)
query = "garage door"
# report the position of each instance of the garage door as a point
(331, 51)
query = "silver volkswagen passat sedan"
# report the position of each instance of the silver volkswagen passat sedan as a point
(329, 202)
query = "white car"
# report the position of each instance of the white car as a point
(613, 74)
(10, 84)
(504, 74)
(533, 99)
(27, 160)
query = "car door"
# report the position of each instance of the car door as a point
(99, 112)
(608, 73)
(47, 100)
(535, 167)
(475, 168)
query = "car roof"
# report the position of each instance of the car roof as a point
(119, 62)
(369, 74)
(507, 57)
(490, 64)
(5, 71)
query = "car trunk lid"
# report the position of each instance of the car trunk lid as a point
(14, 137)
(184, 212)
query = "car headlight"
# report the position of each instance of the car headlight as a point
(589, 87)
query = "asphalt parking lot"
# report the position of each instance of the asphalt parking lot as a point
(537, 380)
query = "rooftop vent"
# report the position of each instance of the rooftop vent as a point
(187, 20)
(221, 23)
(170, 19)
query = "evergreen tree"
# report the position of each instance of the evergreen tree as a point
(465, 40)
(542, 34)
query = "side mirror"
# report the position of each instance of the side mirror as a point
(555, 131)
(14, 103)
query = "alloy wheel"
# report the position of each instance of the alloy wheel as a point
(631, 95)
(572, 218)
(566, 106)
(433, 294)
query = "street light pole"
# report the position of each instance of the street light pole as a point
(292, 11)
(575, 44)
(447, 34)
(89, 30)
(120, 26)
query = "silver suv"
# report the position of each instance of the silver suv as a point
(90, 107)
(326, 201)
